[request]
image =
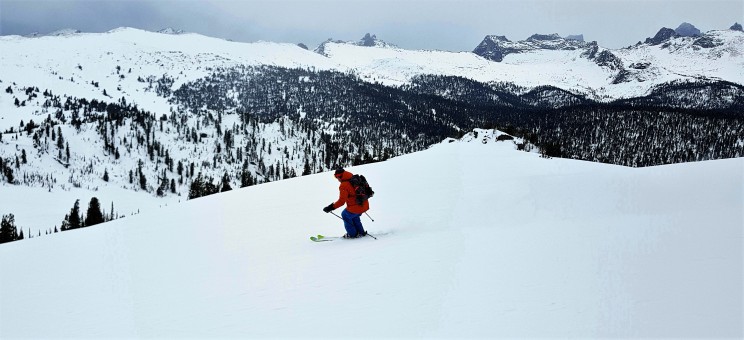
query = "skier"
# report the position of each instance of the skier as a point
(353, 212)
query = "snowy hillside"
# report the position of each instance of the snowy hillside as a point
(475, 240)
(126, 61)
(151, 111)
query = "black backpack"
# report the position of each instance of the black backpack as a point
(361, 188)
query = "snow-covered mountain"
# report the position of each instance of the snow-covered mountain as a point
(569, 64)
(134, 104)
(475, 239)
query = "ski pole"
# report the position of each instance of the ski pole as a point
(334, 214)
(370, 217)
(373, 236)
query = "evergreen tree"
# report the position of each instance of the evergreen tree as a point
(60, 139)
(65, 223)
(94, 215)
(196, 189)
(226, 183)
(246, 179)
(306, 170)
(210, 188)
(8, 230)
(9, 174)
(74, 217)
(105, 175)
(142, 179)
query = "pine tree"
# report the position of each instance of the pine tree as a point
(142, 179)
(226, 183)
(210, 188)
(65, 223)
(8, 232)
(246, 179)
(105, 175)
(196, 189)
(74, 217)
(60, 139)
(94, 215)
(306, 171)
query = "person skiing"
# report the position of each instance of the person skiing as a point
(353, 212)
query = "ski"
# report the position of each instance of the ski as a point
(321, 238)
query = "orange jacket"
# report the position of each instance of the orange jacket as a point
(346, 195)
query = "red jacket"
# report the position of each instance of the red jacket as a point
(346, 195)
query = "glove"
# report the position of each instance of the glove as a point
(329, 208)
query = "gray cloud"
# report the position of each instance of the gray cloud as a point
(456, 25)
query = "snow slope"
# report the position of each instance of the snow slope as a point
(475, 240)
(68, 64)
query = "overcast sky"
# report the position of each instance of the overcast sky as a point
(455, 25)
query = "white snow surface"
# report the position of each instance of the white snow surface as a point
(476, 239)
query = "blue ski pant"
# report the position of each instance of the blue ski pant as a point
(352, 223)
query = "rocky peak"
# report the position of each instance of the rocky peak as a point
(370, 40)
(736, 27)
(496, 47)
(544, 37)
(663, 35)
(687, 30)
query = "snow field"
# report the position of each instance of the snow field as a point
(475, 240)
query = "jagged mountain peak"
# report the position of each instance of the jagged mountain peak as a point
(736, 27)
(371, 40)
(687, 30)
(663, 35)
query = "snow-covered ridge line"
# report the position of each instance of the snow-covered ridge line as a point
(572, 65)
